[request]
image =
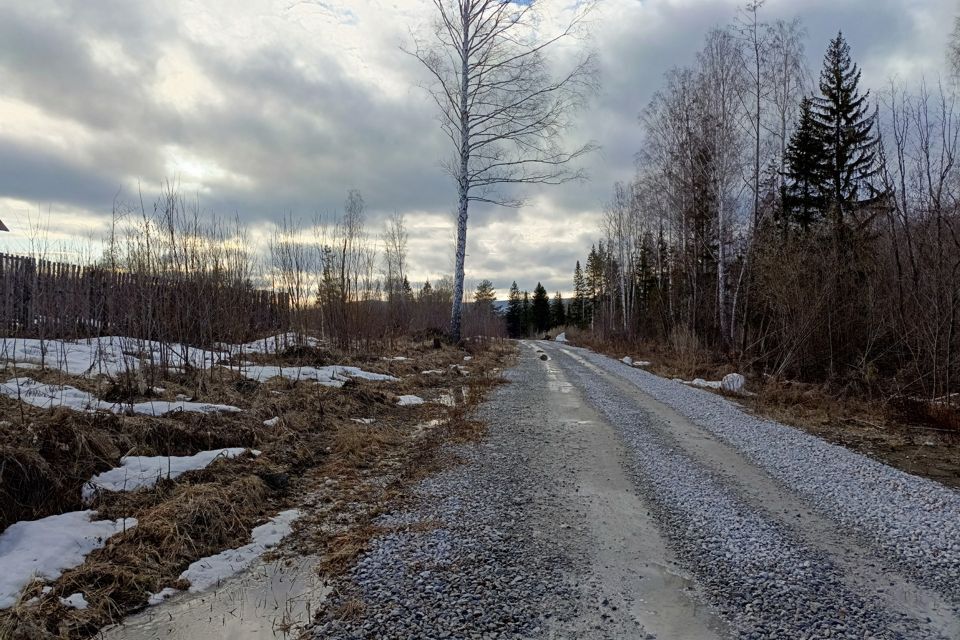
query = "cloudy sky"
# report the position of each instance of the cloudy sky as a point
(261, 108)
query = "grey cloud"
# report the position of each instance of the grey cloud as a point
(300, 134)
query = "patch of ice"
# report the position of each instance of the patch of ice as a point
(409, 401)
(209, 572)
(144, 471)
(47, 547)
(75, 600)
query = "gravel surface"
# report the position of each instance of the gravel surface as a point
(584, 514)
(764, 580)
(469, 561)
(912, 520)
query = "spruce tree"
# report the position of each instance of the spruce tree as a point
(540, 311)
(845, 124)
(558, 313)
(578, 310)
(525, 315)
(804, 188)
(515, 312)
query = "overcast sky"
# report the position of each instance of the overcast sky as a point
(264, 107)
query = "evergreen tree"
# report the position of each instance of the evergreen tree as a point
(804, 185)
(485, 296)
(845, 126)
(515, 312)
(540, 311)
(558, 313)
(526, 315)
(578, 309)
(426, 292)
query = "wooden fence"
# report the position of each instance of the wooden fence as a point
(47, 299)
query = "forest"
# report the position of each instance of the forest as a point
(801, 227)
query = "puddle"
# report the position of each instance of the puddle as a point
(273, 600)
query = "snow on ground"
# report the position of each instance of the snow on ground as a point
(331, 376)
(75, 600)
(363, 420)
(409, 401)
(109, 355)
(272, 422)
(144, 471)
(561, 338)
(163, 407)
(435, 372)
(270, 345)
(48, 396)
(211, 571)
(47, 547)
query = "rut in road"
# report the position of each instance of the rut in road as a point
(608, 503)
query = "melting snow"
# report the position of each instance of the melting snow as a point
(75, 600)
(561, 338)
(209, 572)
(144, 471)
(48, 396)
(47, 547)
(409, 401)
(331, 376)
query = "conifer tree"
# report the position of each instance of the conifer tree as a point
(540, 310)
(804, 185)
(515, 311)
(578, 309)
(558, 313)
(525, 315)
(485, 296)
(845, 126)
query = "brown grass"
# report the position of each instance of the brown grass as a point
(48, 455)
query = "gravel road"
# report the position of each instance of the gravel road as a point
(609, 503)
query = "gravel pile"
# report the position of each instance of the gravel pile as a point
(467, 562)
(913, 521)
(762, 579)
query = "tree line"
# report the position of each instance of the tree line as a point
(800, 228)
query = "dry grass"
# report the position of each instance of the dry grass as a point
(48, 455)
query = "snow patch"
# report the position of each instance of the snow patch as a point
(409, 401)
(164, 594)
(733, 383)
(272, 422)
(76, 601)
(561, 338)
(209, 572)
(50, 396)
(364, 420)
(135, 472)
(47, 547)
(331, 376)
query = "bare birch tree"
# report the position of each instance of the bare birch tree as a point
(502, 109)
